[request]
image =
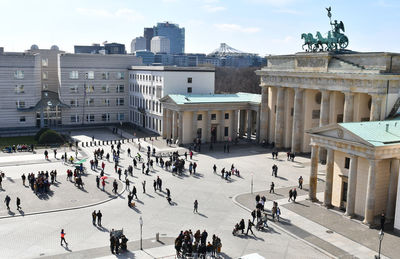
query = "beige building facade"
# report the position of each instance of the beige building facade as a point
(362, 168)
(308, 90)
(210, 117)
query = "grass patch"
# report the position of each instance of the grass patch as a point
(9, 141)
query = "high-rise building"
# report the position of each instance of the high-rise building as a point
(175, 34)
(148, 34)
(160, 44)
(138, 43)
(108, 48)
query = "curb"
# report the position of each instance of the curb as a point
(66, 209)
(282, 229)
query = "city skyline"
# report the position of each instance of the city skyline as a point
(254, 26)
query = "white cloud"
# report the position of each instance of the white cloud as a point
(236, 28)
(123, 13)
(273, 2)
(213, 8)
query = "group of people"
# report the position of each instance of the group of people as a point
(188, 244)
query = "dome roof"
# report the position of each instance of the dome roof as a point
(34, 47)
(54, 47)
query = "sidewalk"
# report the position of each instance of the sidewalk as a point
(305, 226)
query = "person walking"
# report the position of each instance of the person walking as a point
(134, 192)
(115, 185)
(272, 188)
(249, 226)
(155, 185)
(215, 169)
(94, 215)
(290, 194)
(23, 179)
(63, 238)
(253, 215)
(112, 244)
(195, 206)
(7, 201)
(55, 153)
(278, 212)
(99, 216)
(168, 192)
(97, 181)
(294, 194)
(46, 154)
(103, 183)
(127, 183)
(144, 186)
(301, 182)
(18, 203)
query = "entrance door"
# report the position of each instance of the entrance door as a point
(144, 121)
(213, 133)
(343, 201)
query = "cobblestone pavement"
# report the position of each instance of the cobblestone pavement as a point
(37, 235)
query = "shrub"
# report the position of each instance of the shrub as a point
(39, 133)
(51, 137)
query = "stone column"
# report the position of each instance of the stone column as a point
(249, 123)
(392, 192)
(207, 132)
(279, 121)
(348, 107)
(221, 126)
(297, 120)
(329, 178)
(234, 124)
(324, 118)
(376, 106)
(258, 126)
(312, 193)
(174, 126)
(351, 187)
(242, 121)
(168, 123)
(263, 115)
(180, 128)
(370, 197)
(194, 125)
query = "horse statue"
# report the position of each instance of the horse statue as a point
(310, 41)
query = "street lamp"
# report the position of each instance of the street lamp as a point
(380, 243)
(141, 225)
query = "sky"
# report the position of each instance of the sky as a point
(255, 26)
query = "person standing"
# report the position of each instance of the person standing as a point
(168, 192)
(301, 182)
(155, 185)
(290, 194)
(112, 244)
(134, 192)
(23, 179)
(272, 188)
(249, 226)
(99, 216)
(253, 215)
(94, 215)
(191, 155)
(46, 154)
(7, 201)
(144, 186)
(63, 237)
(195, 207)
(294, 194)
(383, 219)
(278, 212)
(55, 153)
(215, 169)
(18, 203)
(97, 181)
(127, 183)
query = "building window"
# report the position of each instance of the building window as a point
(73, 75)
(213, 116)
(90, 117)
(347, 162)
(339, 118)
(120, 101)
(189, 90)
(45, 75)
(22, 119)
(20, 104)
(74, 103)
(74, 118)
(199, 117)
(73, 89)
(105, 75)
(45, 62)
(226, 116)
(89, 88)
(105, 89)
(45, 87)
(189, 80)
(19, 74)
(120, 88)
(19, 89)
(315, 114)
(121, 116)
(226, 131)
(90, 102)
(121, 75)
(106, 102)
(105, 117)
(90, 75)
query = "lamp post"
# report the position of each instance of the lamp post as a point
(141, 225)
(380, 244)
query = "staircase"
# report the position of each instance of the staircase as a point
(349, 63)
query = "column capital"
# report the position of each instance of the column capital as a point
(348, 93)
(325, 93)
(298, 89)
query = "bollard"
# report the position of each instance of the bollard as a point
(156, 137)
(83, 144)
(158, 237)
(103, 142)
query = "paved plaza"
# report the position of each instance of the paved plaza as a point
(301, 233)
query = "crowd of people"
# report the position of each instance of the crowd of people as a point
(188, 244)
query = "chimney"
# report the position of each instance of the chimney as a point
(387, 127)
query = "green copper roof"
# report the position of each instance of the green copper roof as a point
(378, 133)
(215, 98)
